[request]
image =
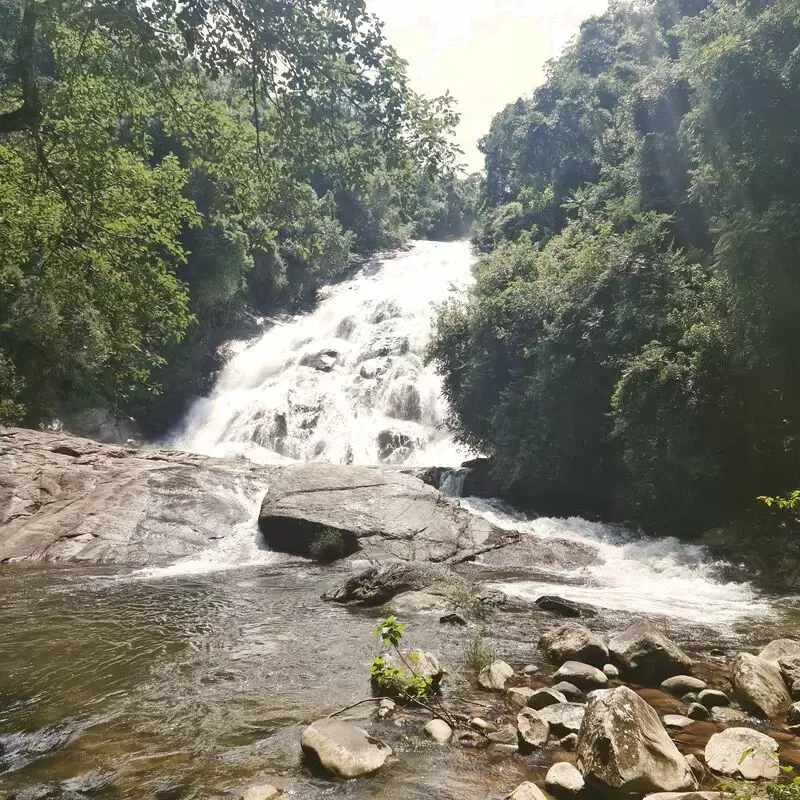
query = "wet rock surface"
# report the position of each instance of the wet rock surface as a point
(343, 749)
(645, 653)
(759, 685)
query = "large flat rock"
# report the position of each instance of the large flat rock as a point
(380, 513)
(63, 498)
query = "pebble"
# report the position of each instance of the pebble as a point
(611, 671)
(698, 711)
(530, 669)
(563, 779)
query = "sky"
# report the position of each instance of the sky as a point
(486, 52)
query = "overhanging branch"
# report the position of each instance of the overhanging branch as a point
(29, 113)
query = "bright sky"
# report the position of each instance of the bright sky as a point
(486, 52)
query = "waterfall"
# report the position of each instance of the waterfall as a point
(346, 383)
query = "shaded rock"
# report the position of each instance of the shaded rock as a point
(793, 714)
(404, 402)
(744, 752)
(101, 425)
(386, 707)
(518, 696)
(375, 367)
(563, 718)
(558, 605)
(644, 652)
(713, 697)
(495, 676)
(574, 642)
(439, 731)
(381, 513)
(506, 734)
(345, 328)
(610, 671)
(395, 447)
(570, 691)
(541, 698)
(385, 309)
(790, 669)
(527, 791)
(344, 749)
(424, 664)
(698, 711)
(533, 729)
(569, 742)
(697, 767)
(583, 676)
(681, 684)
(780, 648)
(453, 619)
(794, 690)
(384, 344)
(564, 780)
(759, 685)
(677, 721)
(481, 724)
(472, 739)
(690, 697)
(264, 792)
(321, 360)
(623, 746)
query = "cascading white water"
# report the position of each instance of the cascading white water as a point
(345, 383)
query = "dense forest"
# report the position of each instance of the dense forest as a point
(630, 348)
(169, 170)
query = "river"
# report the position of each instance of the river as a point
(194, 680)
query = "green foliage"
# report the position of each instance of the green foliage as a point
(790, 502)
(330, 545)
(477, 653)
(785, 787)
(629, 346)
(403, 682)
(162, 178)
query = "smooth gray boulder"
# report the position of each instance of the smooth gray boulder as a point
(534, 730)
(698, 711)
(644, 653)
(623, 747)
(563, 718)
(759, 685)
(780, 648)
(564, 780)
(495, 676)
(682, 684)
(742, 752)
(379, 513)
(527, 791)
(439, 731)
(574, 642)
(344, 749)
(584, 676)
(540, 698)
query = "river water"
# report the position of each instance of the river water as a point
(194, 680)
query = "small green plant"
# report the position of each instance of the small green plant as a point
(329, 545)
(477, 654)
(784, 787)
(406, 684)
(464, 598)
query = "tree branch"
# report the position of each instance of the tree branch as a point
(30, 112)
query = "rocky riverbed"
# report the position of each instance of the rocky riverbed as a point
(150, 649)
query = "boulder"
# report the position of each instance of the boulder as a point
(564, 780)
(404, 402)
(728, 716)
(713, 697)
(558, 605)
(518, 696)
(495, 676)
(563, 718)
(420, 603)
(759, 685)
(643, 652)
(569, 690)
(793, 714)
(380, 513)
(698, 711)
(320, 360)
(343, 749)
(790, 669)
(439, 731)
(623, 747)
(101, 425)
(742, 752)
(780, 648)
(263, 792)
(527, 791)
(568, 742)
(610, 671)
(395, 447)
(574, 642)
(423, 663)
(530, 669)
(681, 684)
(505, 735)
(534, 731)
(581, 675)
(541, 698)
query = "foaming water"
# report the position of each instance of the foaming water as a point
(662, 577)
(345, 383)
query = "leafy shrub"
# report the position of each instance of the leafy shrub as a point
(477, 653)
